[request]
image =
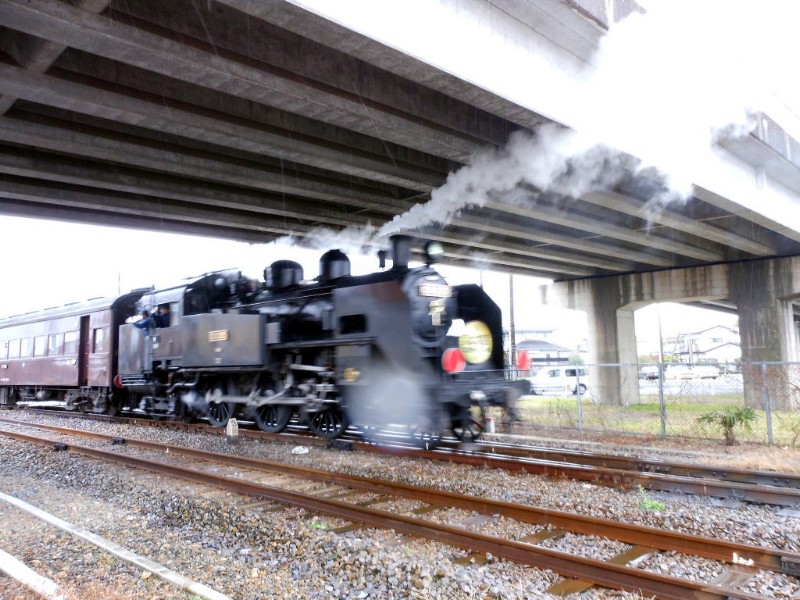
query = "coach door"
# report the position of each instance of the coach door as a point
(85, 349)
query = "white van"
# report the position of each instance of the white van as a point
(558, 380)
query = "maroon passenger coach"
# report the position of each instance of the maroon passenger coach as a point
(65, 356)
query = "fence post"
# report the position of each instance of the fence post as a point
(767, 405)
(662, 407)
(578, 395)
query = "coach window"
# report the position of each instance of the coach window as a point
(26, 347)
(71, 342)
(40, 345)
(4, 350)
(13, 349)
(98, 340)
(55, 344)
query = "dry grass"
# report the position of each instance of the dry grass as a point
(101, 592)
(98, 591)
(743, 456)
(768, 459)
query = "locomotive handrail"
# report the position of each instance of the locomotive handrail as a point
(325, 342)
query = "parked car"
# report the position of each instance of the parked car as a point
(649, 373)
(687, 372)
(555, 380)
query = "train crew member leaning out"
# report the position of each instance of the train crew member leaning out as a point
(161, 318)
(146, 321)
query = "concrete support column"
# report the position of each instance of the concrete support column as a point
(763, 292)
(612, 338)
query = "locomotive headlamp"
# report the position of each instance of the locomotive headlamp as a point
(476, 342)
(434, 252)
(453, 361)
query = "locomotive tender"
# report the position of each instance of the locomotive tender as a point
(372, 350)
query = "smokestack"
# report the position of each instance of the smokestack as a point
(401, 251)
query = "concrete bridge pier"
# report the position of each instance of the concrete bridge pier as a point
(612, 336)
(764, 292)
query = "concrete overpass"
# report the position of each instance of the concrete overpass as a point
(254, 119)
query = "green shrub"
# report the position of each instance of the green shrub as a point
(727, 419)
(648, 503)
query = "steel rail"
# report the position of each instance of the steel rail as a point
(595, 571)
(772, 559)
(760, 493)
(666, 467)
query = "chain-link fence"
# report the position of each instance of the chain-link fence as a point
(749, 402)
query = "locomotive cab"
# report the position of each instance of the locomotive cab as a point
(156, 361)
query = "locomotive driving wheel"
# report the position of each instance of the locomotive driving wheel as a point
(426, 433)
(329, 422)
(467, 429)
(273, 418)
(219, 413)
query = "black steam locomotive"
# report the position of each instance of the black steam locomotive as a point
(399, 346)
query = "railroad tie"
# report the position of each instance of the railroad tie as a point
(734, 576)
(479, 558)
(565, 587)
(417, 511)
(257, 504)
(347, 493)
(357, 526)
(424, 510)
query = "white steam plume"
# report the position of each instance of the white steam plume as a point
(351, 240)
(667, 83)
(554, 159)
(664, 86)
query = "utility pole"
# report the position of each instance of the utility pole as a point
(660, 337)
(511, 331)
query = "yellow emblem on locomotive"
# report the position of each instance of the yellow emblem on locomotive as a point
(476, 342)
(351, 374)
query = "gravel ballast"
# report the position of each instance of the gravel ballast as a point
(287, 553)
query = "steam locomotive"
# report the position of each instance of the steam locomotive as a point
(395, 347)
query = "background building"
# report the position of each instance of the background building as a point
(718, 344)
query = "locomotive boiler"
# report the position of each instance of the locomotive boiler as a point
(375, 350)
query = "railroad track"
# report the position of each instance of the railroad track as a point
(355, 499)
(758, 486)
(48, 589)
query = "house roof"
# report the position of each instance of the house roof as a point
(541, 346)
(728, 329)
(711, 349)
